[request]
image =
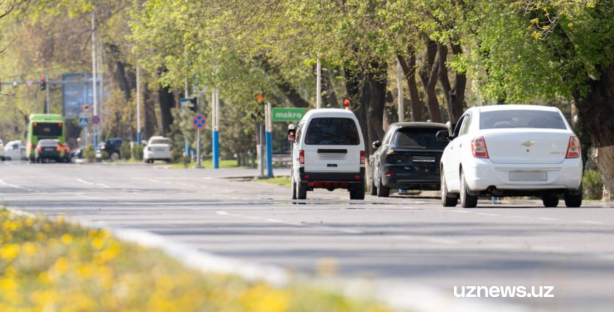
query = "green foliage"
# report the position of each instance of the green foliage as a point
(124, 150)
(592, 185)
(137, 152)
(89, 153)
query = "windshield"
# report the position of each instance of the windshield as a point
(521, 119)
(47, 129)
(420, 138)
(332, 131)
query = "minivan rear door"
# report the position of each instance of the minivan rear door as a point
(332, 144)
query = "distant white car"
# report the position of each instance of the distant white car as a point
(14, 150)
(158, 148)
(2, 158)
(511, 150)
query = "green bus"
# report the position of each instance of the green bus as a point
(45, 126)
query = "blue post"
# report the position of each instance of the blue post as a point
(138, 138)
(269, 154)
(95, 140)
(216, 149)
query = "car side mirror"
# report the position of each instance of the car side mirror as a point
(376, 144)
(291, 132)
(443, 135)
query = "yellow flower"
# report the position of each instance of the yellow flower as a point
(9, 251)
(61, 266)
(66, 239)
(29, 249)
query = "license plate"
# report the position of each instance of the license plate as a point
(535, 176)
(49, 149)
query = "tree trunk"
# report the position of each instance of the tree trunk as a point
(457, 94)
(377, 84)
(442, 52)
(428, 76)
(151, 120)
(329, 97)
(596, 111)
(359, 95)
(282, 84)
(409, 70)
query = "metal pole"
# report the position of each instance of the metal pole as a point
(269, 141)
(138, 103)
(401, 109)
(100, 77)
(47, 102)
(198, 147)
(94, 94)
(261, 148)
(319, 85)
(216, 129)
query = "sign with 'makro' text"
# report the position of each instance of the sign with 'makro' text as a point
(288, 114)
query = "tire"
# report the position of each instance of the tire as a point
(301, 190)
(382, 190)
(574, 200)
(114, 156)
(467, 200)
(550, 200)
(447, 200)
(372, 187)
(358, 192)
(293, 187)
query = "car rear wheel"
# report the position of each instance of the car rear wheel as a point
(293, 187)
(301, 190)
(574, 200)
(372, 186)
(550, 200)
(382, 190)
(467, 200)
(448, 200)
(115, 156)
(358, 192)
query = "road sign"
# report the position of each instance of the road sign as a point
(87, 115)
(199, 121)
(83, 122)
(96, 120)
(288, 114)
(86, 108)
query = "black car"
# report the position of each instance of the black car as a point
(49, 149)
(408, 158)
(111, 147)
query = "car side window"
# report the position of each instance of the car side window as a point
(388, 136)
(458, 126)
(466, 124)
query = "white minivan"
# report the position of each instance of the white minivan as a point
(328, 152)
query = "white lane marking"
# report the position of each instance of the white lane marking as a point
(222, 212)
(461, 211)
(13, 185)
(85, 182)
(350, 231)
(154, 180)
(548, 219)
(89, 197)
(103, 185)
(488, 214)
(275, 221)
(204, 187)
(590, 222)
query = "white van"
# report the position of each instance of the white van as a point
(14, 150)
(328, 152)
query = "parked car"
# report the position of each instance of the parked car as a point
(408, 158)
(77, 153)
(111, 147)
(2, 151)
(158, 148)
(511, 150)
(14, 150)
(48, 149)
(328, 152)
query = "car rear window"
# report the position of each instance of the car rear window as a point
(332, 131)
(420, 138)
(47, 129)
(161, 141)
(521, 119)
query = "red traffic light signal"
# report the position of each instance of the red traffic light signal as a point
(259, 98)
(346, 103)
(43, 84)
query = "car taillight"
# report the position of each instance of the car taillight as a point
(148, 148)
(31, 146)
(301, 157)
(68, 150)
(478, 147)
(573, 149)
(63, 145)
(362, 157)
(59, 148)
(39, 148)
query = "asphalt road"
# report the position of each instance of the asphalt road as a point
(403, 239)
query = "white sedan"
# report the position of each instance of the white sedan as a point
(158, 148)
(511, 150)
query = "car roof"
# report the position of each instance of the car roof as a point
(159, 138)
(419, 124)
(491, 108)
(329, 112)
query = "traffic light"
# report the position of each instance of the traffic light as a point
(194, 106)
(346, 103)
(43, 84)
(259, 98)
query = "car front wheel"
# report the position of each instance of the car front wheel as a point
(382, 190)
(550, 200)
(448, 200)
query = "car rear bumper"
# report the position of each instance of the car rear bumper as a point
(158, 155)
(53, 155)
(411, 177)
(483, 175)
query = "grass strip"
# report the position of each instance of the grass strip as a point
(57, 266)
(281, 181)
